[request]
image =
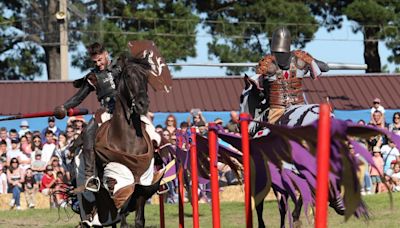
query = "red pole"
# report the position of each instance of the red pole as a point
(181, 189)
(195, 181)
(323, 151)
(162, 216)
(244, 125)
(212, 144)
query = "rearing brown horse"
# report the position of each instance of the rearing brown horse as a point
(124, 149)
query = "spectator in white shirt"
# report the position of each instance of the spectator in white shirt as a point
(49, 147)
(378, 107)
(15, 152)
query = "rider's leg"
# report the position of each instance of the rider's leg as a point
(151, 130)
(91, 181)
(275, 114)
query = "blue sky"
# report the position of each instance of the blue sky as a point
(337, 46)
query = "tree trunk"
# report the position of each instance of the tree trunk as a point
(53, 63)
(52, 40)
(371, 52)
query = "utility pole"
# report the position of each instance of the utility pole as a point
(62, 18)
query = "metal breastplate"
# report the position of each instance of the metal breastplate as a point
(286, 90)
(105, 85)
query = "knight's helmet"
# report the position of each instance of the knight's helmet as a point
(281, 40)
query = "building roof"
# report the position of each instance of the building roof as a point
(208, 94)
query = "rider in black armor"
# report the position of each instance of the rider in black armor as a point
(101, 80)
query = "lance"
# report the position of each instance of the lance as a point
(332, 66)
(70, 112)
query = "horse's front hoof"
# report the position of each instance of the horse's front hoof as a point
(297, 224)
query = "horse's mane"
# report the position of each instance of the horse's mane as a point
(136, 69)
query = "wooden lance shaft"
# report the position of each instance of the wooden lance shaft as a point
(71, 112)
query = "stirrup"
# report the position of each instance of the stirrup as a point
(163, 191)
(97, 184)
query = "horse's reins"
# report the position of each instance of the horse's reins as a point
(131, 97)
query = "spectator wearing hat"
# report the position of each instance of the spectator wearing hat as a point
(4, 137)
(52, 127)
(77, 122)
(15, 152)
(377, 171)
(24, 127)
(376, 106)
(38, 167)
(3, 180)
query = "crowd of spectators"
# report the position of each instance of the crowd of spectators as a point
(37, 161)
(385, 154)
(33, 161)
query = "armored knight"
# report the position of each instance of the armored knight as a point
(102, 80)
(281, 74)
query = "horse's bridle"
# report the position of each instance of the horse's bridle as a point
(131, 97)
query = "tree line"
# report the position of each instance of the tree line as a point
(240, 30)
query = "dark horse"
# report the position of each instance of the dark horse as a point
(253, 102)
(125, 154)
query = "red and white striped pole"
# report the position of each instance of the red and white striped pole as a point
(244, 129)
(212, 145)
(323, 155)
(195, 180)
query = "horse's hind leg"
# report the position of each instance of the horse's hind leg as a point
(124, 224)
(260, 209)
(296, 212)
(139, 219)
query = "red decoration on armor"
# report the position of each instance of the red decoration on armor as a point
(286, 75)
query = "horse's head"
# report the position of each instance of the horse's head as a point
(132, 85)
(252, 98)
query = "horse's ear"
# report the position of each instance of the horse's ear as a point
(246, 81)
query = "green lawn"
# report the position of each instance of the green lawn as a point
(232, 215)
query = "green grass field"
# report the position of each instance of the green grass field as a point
(232, 215)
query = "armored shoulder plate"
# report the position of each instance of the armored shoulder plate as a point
(302, 58)
(267, 65)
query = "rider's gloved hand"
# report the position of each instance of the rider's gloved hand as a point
(60, 112)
